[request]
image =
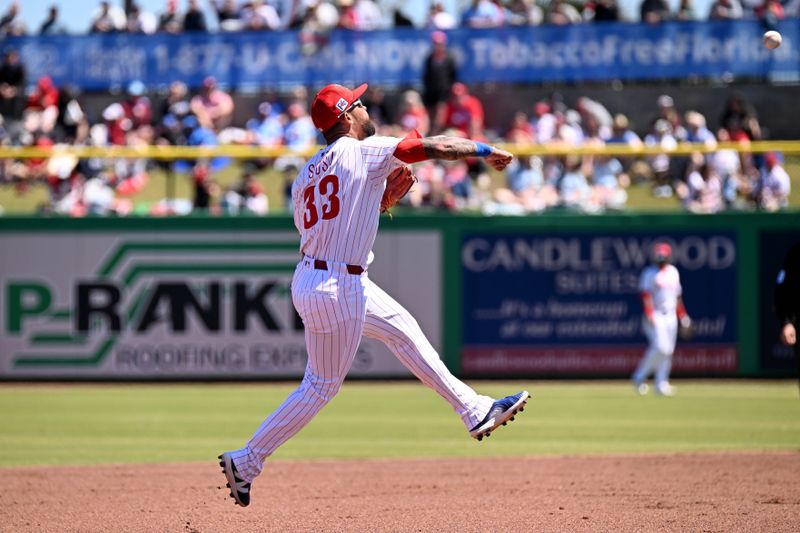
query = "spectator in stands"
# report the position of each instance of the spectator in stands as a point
(770, 12)
(229, 17)
(299, 135)
(169, 21)
(267, 129)
(597, 121)
(198, 135)
(654, 11)
(115, 124)
(246, 198)
(194, 19)
(482, 14)
(368, 15)
(65, 183)
(608, 182)
(259, 16)
(739, 115)
(526, 190)
(686, 11)
(429, 189)
(438, 76)
(661, 136)
(696, 130)
(412, 114)
(728, 167)
(140, 21)
(702, 192)
(129, 176)
(726, 10)
(12, 87)
(772, 192)
(463, 113)
(439, 18)
(108, 19)
(568, 128)
(521, 131)
(621, 132)
(561, 13)
(137, 106)
(543, 122)
(41, 111)
(72, 125)
(10, 25)
(316, 24)
(348, 16)
(460, 193)
(50, 25)
(668, 112)
(524, 13)
(205, 188)
(573, 187)
(601, 11)
(212, 106)
(172, 111)
(176, 102)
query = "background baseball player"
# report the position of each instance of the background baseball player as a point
(337, 202)
(787, 301)
(660, 287)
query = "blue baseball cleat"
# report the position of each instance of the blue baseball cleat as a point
(501, 413)
(240, 489)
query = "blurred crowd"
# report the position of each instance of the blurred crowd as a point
(314, 18)
(703, 182)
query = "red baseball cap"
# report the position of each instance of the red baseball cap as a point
(331, 102)
(662, 251)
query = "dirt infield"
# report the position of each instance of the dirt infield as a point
(685, 492)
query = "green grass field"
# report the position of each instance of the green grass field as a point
(154, 423)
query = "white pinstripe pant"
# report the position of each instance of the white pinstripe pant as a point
(337, 308)
(662, 335)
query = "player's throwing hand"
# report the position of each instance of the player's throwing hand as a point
(499, 159)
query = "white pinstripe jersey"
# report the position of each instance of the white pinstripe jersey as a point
(337, 198)
(664, 286)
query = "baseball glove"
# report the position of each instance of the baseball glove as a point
(398, 183)
(685, 328)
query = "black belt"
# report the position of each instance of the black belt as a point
(319, 264)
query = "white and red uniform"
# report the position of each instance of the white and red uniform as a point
(336, 210)
(663, 285)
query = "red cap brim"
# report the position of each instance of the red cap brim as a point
(358, 91)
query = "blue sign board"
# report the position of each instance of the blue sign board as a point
(580, 52)
(570, 304)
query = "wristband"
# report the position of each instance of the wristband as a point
(482, 150)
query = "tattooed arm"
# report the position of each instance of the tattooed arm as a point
(414, 148)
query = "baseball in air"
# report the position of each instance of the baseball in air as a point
(772, 39)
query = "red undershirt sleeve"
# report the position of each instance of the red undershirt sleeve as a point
(410, 149)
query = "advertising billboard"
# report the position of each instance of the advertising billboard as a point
(569, 303)
(192, 304)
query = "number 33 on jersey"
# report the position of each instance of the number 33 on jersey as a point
(337, 198)
(327, 189)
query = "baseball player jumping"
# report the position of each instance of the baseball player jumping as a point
(660, 287)
(337, 202)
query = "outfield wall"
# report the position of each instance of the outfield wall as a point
(544, 296)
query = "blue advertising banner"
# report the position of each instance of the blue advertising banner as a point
(520, 54)
(569, 304)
